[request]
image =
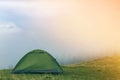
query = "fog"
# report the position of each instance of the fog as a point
(71, 31)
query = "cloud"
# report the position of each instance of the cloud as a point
(89, 24)
(68, 30)
(8, 28)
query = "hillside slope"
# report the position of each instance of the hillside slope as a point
(107, 68)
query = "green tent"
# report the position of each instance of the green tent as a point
(37, 61)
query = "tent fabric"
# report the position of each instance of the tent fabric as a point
(37, 61)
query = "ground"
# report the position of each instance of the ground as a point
(107, 68)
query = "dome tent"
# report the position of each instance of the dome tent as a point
(37, 61)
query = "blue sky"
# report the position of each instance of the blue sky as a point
(70, 31)
(24, 35)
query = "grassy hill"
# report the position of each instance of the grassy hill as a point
(107, 68)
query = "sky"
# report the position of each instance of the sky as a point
(71, 31)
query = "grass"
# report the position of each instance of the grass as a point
(107, 68)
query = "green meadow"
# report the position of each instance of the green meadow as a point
(107, 68)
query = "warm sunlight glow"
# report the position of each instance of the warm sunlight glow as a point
(71, 30)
